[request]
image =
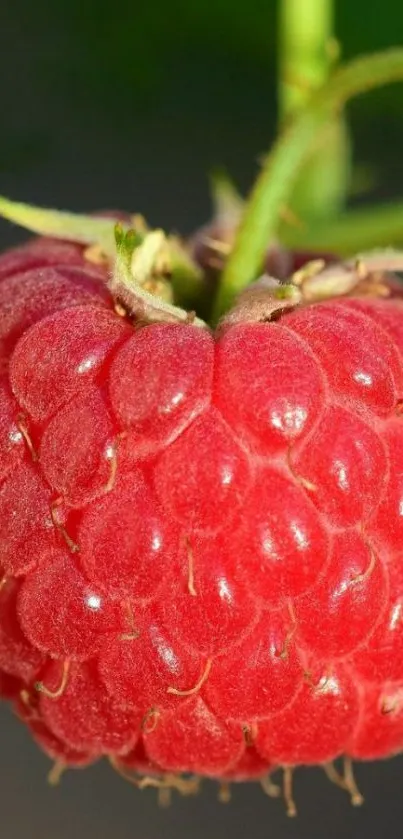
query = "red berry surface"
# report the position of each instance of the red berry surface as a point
(84, 716)
(316, 725)
(201, 534)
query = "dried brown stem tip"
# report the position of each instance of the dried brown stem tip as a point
(268, 298)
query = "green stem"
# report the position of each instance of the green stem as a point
(380, 226)
(307, 54)
(272, 189)
(305, 33)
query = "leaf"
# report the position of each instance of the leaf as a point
(74, 227)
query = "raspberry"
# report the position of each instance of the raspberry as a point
(380, 730)
(81, 340)
(138, 761)
(18, 657)
(347, 602)
(12, 446)
(281, 540)
(26, 527)
(172, 744)
(316, 725)
(212, 475)
(128, 523)
(268, 412)
(149, 675)
(201, 533)
(39, 253)
(343, 466)
(156, 409)
(84, 716)
(268, 672)
(10, 687)
(84, 432)
(60, 612)
(379, 659)
(221, 607)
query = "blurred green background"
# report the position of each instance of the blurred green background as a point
(108, 104)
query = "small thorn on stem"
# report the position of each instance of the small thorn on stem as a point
(55, 694)
(197, 686)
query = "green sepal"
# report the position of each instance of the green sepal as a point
(138, 282)
(179, 277)
(228, 203)
(73, 227)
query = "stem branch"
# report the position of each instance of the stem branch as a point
(273, 186)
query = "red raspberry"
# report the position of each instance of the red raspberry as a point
(10, 687)
(84, 716)
(201, 534)
(315, 726)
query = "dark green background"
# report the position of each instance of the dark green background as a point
(108, 105)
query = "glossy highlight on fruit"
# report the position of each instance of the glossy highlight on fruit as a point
(201, 533)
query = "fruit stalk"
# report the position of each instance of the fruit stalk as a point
(307, 54)
(305, 51)
(273, 187)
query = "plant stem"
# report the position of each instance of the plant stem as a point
(305, 32)
(273, 186)
(307, 54)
